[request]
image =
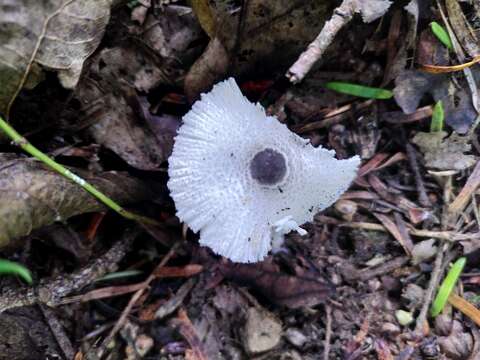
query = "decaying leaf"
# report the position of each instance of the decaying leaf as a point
(430, 50)
(205, 16)
(56, 34)
(269, 35)
(174, 36)
(218, 321)
(411, 86)
(26, 335)
(458, 344)
(119, 128)
(107, 102)
(445, 153)
(34, 196)
(280, 288)
(463, 31)
(210, 67)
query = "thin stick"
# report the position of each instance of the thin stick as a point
(465, 307)
(328, 332)
(432, 286)
(422, 193)
(52, 291)
(23, 143)
(99, 352)
(472, 184)
(315, 50)
(444, 235)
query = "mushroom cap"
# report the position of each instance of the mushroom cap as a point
(211, 180)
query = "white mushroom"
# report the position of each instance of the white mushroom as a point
(243, 179)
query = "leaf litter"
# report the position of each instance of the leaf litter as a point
(333, 293)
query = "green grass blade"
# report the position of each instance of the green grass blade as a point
(359, 90)
(39, 155)
(438, 117)
(13, 268)
(447, 286)
(441, 34)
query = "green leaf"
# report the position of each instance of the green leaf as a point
(441, 34)
(447, 286)
(13, 268)
(438, 117)
(359, 90)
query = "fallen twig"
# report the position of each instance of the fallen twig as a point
(428, 296)
(174, 303)
(385, 268)
(99, 351)
(58, 332)
(422, 193)
(315, 50)
(444, 235)
(467, 191)
(52, 291)
(328, 332)
(188, 331)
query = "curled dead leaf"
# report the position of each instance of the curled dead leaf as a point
(34, 196)
(445, 153)
(56, 34)
(270, 35)
(280, 288)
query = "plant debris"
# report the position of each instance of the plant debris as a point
(102, 88)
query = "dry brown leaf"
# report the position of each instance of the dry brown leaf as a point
(175, 38)
(265, 36)
(188, 331)
(458, 344)
(280, 288)
(56, 34)
(463, 31)
(26, 335)
(106, 101)
(412, 85)
(34, 196)
(118, 127)
(210, 67)
(205, 16)
(445, 153)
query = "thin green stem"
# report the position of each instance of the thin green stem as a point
(23, 143)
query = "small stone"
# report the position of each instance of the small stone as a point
(143, 344)
(262, 331)
(346, 208)
(295, 337)
(404, 318)
(423, 250)
(374, 285)
(291, 355)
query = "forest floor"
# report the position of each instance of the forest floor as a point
(359, 285)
